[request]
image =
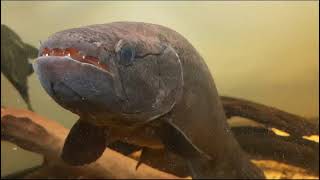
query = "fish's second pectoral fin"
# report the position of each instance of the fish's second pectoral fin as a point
(84, 144)
(176, 141)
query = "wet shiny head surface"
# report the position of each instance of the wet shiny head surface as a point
(127, 70)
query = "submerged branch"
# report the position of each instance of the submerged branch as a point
(38, 134)
(264, 144)
(271, 117)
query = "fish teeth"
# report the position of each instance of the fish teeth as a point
(68, 54)
(83, 57)
(47, 54)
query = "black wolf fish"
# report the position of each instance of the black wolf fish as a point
(143, 84)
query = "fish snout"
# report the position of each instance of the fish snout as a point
(76, 86)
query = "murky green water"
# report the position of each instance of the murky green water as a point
(265, 52)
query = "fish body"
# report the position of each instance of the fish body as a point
(143, 84)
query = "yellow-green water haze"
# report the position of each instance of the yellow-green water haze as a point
(266, 52)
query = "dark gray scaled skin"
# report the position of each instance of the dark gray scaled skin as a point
(156, 92)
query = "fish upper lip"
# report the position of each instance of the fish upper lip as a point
(76, 61)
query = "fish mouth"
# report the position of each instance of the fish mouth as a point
(74, 54)
(98, 66)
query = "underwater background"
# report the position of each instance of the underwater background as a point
(267, 52)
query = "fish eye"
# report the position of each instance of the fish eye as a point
(127, 54)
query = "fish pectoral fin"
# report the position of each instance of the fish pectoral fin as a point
(84, 144)
(176, 141)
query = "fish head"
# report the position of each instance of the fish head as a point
(110, 77)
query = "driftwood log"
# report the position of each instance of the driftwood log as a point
(38, 134)
(264, 144)
(271, 117)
